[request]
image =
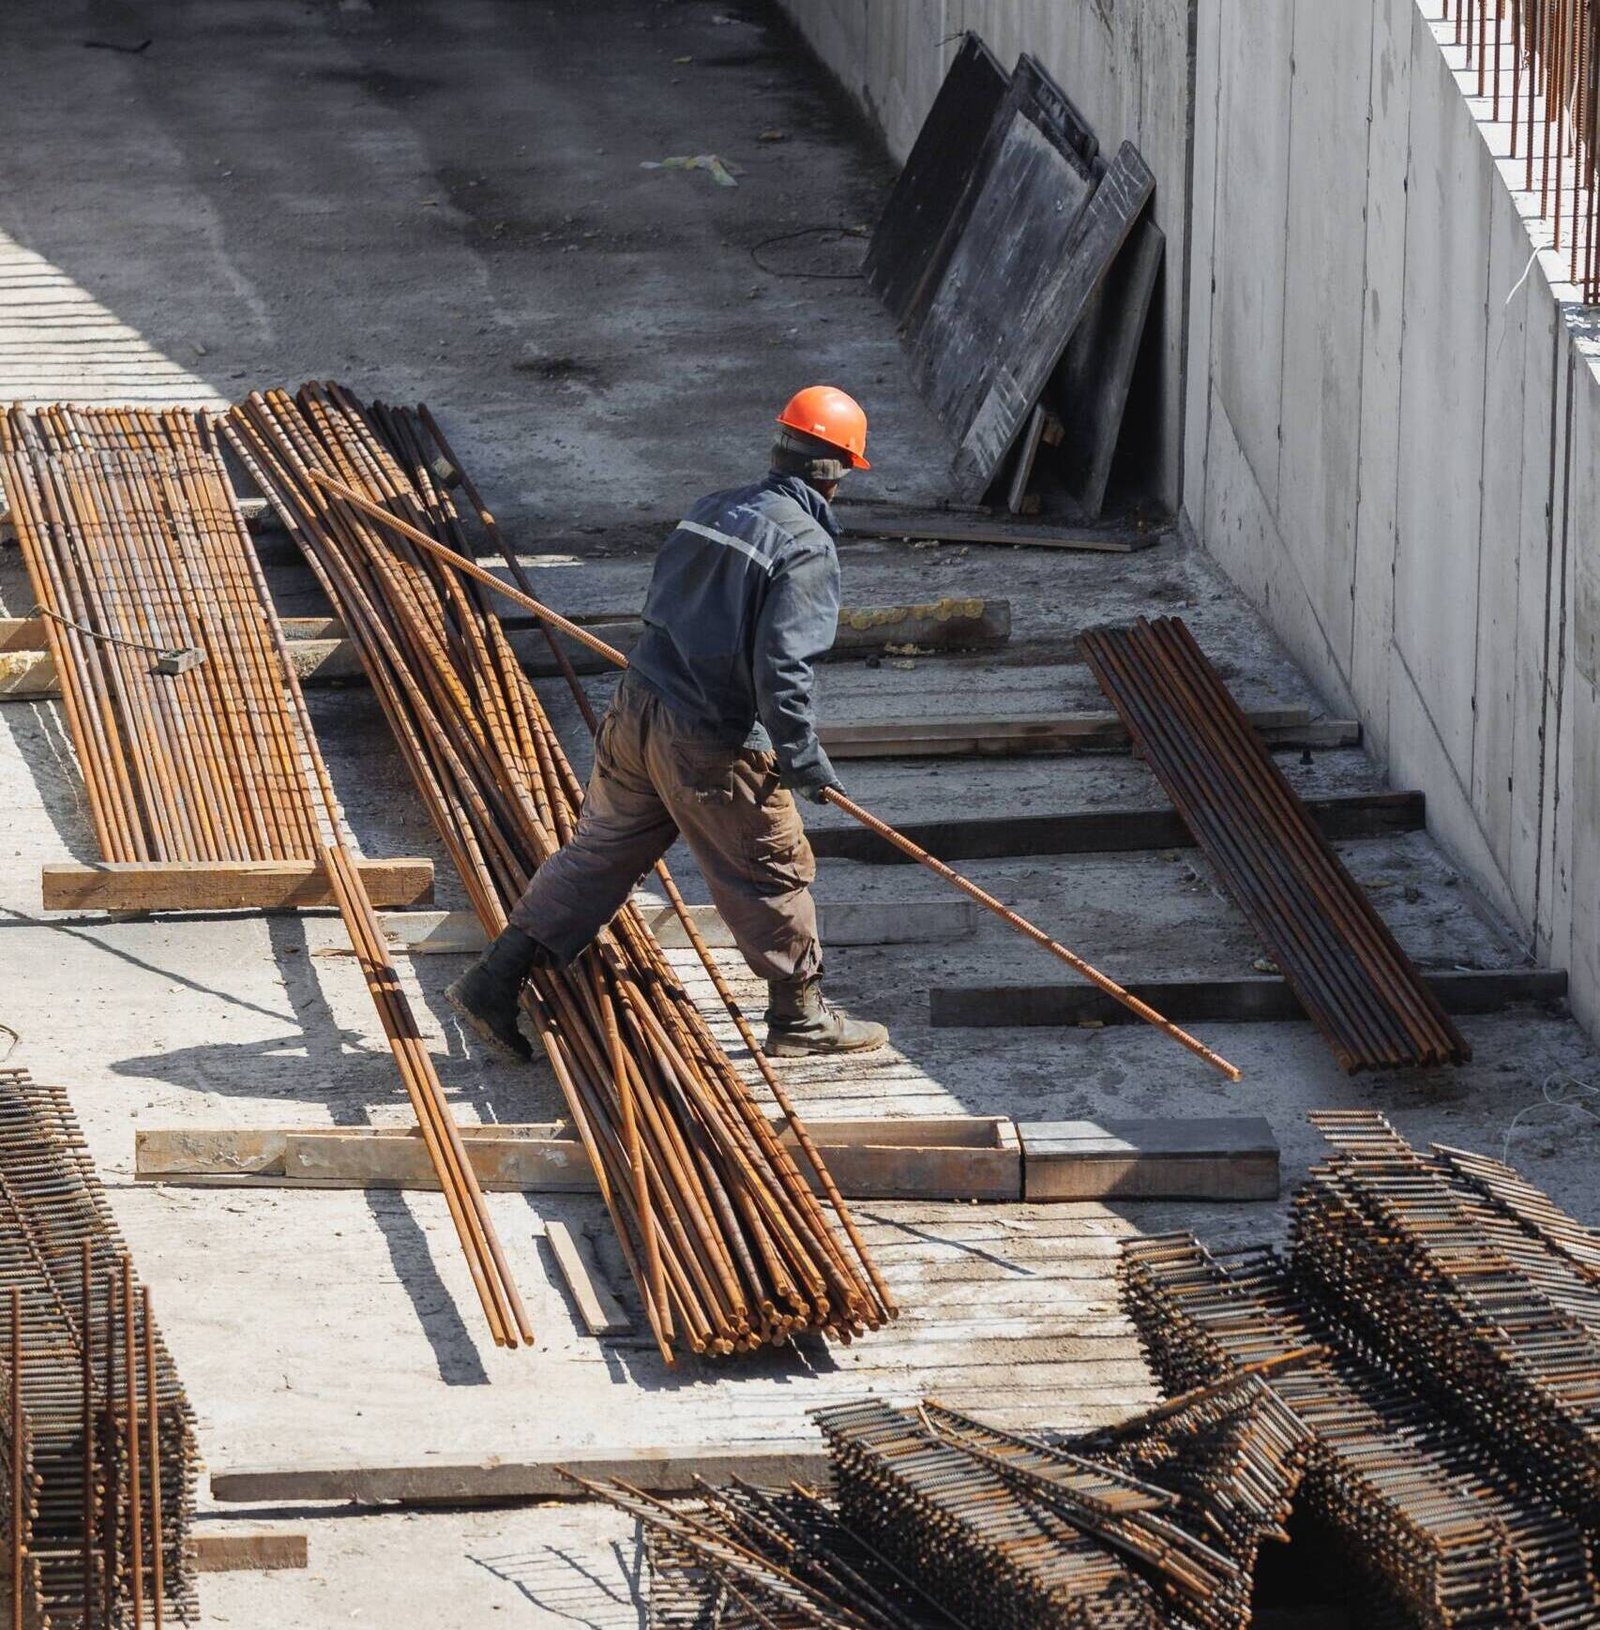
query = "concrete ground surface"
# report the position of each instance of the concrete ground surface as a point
(446, 202)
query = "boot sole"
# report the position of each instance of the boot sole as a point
(496, 1043)
(795, 1049)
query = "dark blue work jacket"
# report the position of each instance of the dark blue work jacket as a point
(744, 598)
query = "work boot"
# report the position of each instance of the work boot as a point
(802, 1023)
(488, 994)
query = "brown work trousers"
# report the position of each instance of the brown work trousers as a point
(651, 781)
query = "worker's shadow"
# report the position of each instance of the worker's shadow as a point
(304, 1064)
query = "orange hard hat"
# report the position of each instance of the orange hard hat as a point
(830, 415)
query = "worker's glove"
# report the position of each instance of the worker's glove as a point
(812, 783)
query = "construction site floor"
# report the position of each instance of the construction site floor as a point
(445, 202)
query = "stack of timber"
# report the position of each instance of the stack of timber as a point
(135, 546)
(97, 1442)
(1356, 984)
(1451, 1404)
(730, 1247)
(936, 1519)
(1019, 265)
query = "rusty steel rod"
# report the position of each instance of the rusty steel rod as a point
(471, 569)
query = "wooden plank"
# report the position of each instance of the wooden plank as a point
(1042, 318)
(1106, 831)
(601, 1312)
(937, 1158)
(1022, 467)
(842, 922)
(1064, 733)
(1254, 1000)
(1091, 386)
(226, 885)
(1150, 1159)
(958, 526)
(248, 1553)
(658, 1471)
(320, 653)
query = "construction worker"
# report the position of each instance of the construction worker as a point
(710, 733)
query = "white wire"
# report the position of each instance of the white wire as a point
(1549, 1100)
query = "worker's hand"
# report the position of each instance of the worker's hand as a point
(813, 784)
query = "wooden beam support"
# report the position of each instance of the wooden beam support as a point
(1106, 831)
(865, 520)
(1165, 1159)
(248, 1553)
(601, 1312)
(321, 655)
(1066, 733)
(941, 1157)
(1263, 999)
(657, 1471)
(226, 885)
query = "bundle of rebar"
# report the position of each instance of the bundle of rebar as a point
(1538, 67)
(729, 1245)
(137, 551)
(938, 1519)
(96, 1436)
(1498, 1330)
(1356, 984)
(1429, 1526)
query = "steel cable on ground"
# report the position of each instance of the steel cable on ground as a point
(132, 537)
(730, 1246)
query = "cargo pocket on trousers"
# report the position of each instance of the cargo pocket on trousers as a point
(705, 770)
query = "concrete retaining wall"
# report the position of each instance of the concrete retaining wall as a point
(1388, 409)
(1392, 433)
(1127, 65)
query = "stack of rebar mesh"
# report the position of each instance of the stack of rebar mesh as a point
(935, 1519)
(729, 1245)
(1452, 1409)
(135, 547)
(1356, 984)
(97, 1443)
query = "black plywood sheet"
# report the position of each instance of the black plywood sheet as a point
(924, 210)
(1041, 276)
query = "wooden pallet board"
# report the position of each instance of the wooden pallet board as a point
(248, 1553)
(1105, 831)
(1254, 1000)
(1234, 1158)
(1063, 733)
(949, 1157)
(226, 885)
(658, 1471)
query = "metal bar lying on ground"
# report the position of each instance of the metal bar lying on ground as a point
(1318, 925)
(969, 526)
(393, 524)
(135, 545)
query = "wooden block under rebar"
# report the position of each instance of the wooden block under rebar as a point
(1106, 831)
(1150, 1159)
(226, 885)
(843, 922)
(248, 1553)
(947, 1157)
(601, 1312)
(657, 1471)
(1250, 1000)
(1066, 733)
